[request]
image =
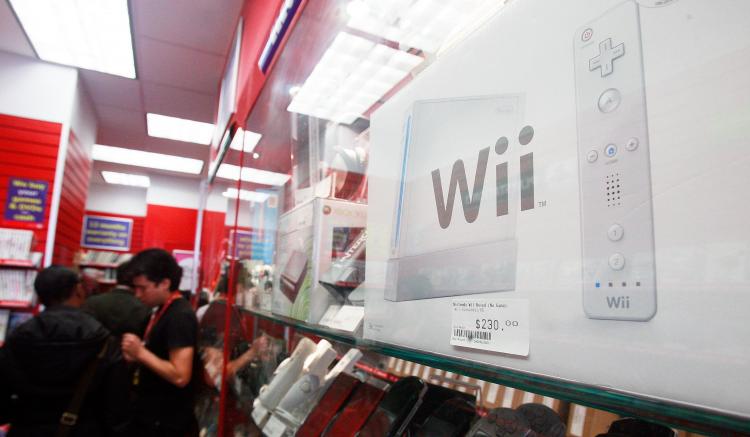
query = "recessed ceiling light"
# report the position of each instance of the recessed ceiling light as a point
(427, 25)
(179, 129)
(91, 34)
(250, 196)
(232, 172)
(256, 155)
(132, 180)
(245, 140)
(140, 158)
(352, 75)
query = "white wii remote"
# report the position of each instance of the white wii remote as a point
(619, 280)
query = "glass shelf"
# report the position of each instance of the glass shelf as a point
(669, 413)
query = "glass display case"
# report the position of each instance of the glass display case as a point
(511, 200)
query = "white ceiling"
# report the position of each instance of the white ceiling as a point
(180, 50)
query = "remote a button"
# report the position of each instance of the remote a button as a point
(632, 144)
(592, 156)
(615, 232)
(604, 61)
(617, 261)
(609, 100)
(610, 150)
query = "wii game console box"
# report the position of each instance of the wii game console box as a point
(583, 162)
(312, 236)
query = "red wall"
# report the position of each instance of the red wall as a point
(258, 18)
(169, 228)
(136, 239)
(75, 188)
(28, 149)
(213, 246)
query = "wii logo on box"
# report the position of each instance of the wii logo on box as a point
(470, 201)
(618, 302)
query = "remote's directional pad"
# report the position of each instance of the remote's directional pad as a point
(606, 57)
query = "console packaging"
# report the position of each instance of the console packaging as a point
(312, 237)
(562, 193)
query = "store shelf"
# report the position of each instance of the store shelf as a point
(673, 414)
(17, 263)
(16, 305)
(98, 265)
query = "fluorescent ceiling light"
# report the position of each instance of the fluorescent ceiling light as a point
(180, 129)
(352, 75)
(140, 158)
(245, 140)
(91, 34)
(132, 180)
(232, 172)
(426, 25)
(250, 196)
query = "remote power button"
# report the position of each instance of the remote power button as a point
(615, 232)
(617, 261)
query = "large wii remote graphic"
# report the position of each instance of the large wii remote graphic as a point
(619, 280)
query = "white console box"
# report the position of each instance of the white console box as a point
(305, 253)
(685, 234)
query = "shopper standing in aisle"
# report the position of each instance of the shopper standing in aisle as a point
(165, 358)
(55, 367)
(119, 310)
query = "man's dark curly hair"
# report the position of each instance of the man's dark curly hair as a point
(156, 265)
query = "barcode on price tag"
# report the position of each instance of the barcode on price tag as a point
(499, 325)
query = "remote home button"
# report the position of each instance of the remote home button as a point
(610, 150)
(609, 100)
(617, 261)
(615, 232)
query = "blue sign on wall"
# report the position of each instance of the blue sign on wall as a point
(265, 217)
(111, 233)
(26, 200)
(244, 248)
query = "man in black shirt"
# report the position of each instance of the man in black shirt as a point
(166, 357)
(119, 310)
(43, 362)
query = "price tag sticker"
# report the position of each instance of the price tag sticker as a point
(498, 325)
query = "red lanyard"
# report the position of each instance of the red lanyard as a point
(157, 316)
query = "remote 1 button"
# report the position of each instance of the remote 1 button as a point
(617, 261)
(615, 232)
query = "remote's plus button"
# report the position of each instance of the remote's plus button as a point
(609, 100)
(615, 232)
(617, 261)
(606, 57)
(592, 156)
(632, 144)
(610, 150)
